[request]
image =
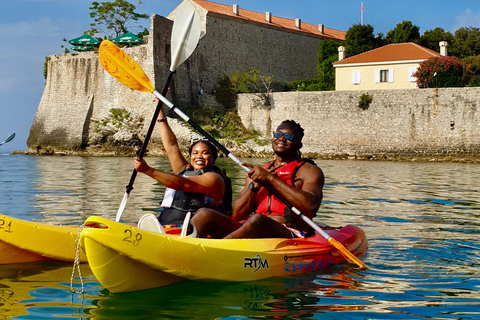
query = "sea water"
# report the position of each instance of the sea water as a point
(422, 221)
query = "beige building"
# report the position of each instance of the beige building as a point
(388, 67)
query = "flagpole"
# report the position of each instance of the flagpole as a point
(361, 14)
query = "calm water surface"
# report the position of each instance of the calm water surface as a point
(422, 221)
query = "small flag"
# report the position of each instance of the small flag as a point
(362, 7)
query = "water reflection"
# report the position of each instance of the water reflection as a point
(41, 290)
(422, 221)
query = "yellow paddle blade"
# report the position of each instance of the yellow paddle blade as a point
(347, 254)
(123, 68)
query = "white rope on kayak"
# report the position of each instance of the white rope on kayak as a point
(76, 262)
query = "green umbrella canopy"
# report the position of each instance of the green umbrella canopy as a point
(127, 38)
(82, 48)
(84, 40)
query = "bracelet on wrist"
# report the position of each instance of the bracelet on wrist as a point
(162, 120)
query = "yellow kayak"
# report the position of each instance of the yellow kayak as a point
(24, 241)
(124, 258)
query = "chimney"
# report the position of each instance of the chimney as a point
(341, 53)
(298, 23)
(268, 16)
(321, 28)
(443, 48)
(235, 9)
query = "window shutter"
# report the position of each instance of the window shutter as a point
(355, 76)
(377, 76)
(390, 75)
(411, 71)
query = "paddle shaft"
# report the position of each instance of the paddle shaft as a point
(143, 149)
(8, 139)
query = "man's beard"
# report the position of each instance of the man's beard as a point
(286, 154)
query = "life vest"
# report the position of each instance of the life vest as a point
(176, 203)
(267, 203)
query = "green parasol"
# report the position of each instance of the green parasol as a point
(83, 48)
(127, 39)
(84, 40)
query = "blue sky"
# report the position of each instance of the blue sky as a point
(34, 29)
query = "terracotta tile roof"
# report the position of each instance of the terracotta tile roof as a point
(391, 52)
(276, 21)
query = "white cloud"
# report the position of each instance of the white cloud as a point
(468, 19)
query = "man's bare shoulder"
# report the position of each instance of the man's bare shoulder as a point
(310, 166)
(311, 170)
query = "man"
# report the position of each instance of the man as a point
(299, 181)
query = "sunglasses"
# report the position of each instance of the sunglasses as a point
(198, 139)
(285, 135)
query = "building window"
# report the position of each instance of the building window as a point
(356, 77)
(383, 75)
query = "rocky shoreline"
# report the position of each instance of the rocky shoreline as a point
(247, 150)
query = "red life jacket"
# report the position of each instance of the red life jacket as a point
(268, 204)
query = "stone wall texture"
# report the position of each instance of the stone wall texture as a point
(406, 123)
(413, 123)
(78, 90)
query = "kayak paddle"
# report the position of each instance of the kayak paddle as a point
(185, 35)
(8, 139)
(142, 83)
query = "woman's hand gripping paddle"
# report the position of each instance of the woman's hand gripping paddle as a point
(185, 35)
(142, 83)
(8, 139)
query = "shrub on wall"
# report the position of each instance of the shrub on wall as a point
(440, 72)
(305, 85)
(45, 67)
(364, 102)
(119, 128)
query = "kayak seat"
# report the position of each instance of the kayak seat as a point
(150, 223)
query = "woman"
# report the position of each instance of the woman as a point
(196, 184)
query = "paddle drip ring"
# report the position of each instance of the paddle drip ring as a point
(76, 262)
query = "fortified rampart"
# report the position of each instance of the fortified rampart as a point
(415, 123)
(78, 90)
(399, 123)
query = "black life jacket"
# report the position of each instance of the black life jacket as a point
(184, 202)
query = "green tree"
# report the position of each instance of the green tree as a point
(360, 38)
(113, 16)
(254, 82)
(404, 32)
(431, 38)
(327, 55)
(472, 71)
(466, 42)
(440, 72)
(225, 93)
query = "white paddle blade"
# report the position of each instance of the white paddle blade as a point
(186, 31)
(122, 207)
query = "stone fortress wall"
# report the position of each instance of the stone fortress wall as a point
(410, 123)
(407, 124)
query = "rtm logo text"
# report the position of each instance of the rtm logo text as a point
(255, 263)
